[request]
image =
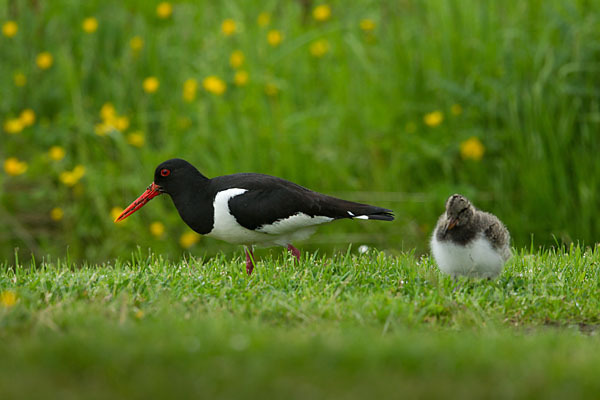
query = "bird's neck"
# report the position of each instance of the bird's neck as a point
(194, 204)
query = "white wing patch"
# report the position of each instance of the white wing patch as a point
(293, 223)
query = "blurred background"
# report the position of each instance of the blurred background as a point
(395, 103)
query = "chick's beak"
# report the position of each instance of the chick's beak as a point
(151, 192)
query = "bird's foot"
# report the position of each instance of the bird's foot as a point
(249, 261)
(295, 252)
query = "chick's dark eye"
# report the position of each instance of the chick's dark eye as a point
(165, 172)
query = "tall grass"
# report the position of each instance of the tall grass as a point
(525, 76)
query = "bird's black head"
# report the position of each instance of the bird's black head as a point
(175, 175)
(459, 211)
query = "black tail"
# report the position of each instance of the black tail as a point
(385, 215)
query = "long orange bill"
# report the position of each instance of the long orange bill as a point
(151, 192)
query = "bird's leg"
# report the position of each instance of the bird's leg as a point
(295, 252)
(249, 260)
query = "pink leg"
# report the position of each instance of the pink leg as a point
(295, 252)
(249, 261)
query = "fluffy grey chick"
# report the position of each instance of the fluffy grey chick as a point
(469, 242)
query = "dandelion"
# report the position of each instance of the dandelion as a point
(13, 126)
(121, 123)
(264, 19)
(89, 25)
(19, 79)
(190, 86)
(433, 118)
(157, 229)
(472, 149)
(136, 43)
(240, 78)
(56, 153)
(27, 117)
(71, 178)
(228, 27)
(319, 48)
(322, 12)
(456, 109)
(8, 298)
(102, 129)
(367, 25)
(136, 139)
(57, 214)
(271, 89)
(214, 85)
(164, 10)
(10, 29)
(274, 37)
(236, 59)
(107, 112)
(188, 239)
(139, 314)
(44, 60)
(14, 167)
(151, 84)
(115, 212)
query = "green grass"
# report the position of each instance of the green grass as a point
(349, 123)
(348, 326)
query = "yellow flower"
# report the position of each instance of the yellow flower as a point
(136, 139)
(271, 89)
(136, 43)
(8, 298)
(139, 314)
(70, 178)
(121, 123)
(14, 167)
(322, 12)
(27, 117)
(44, 60)
(107, 112)
(57, 213)
(102, 128)
(89, 25)
(157, 229)
(472, 149)
(188, 239)
(56, 153)
(236, 59)
(319, 48)
(10, 28)
(367, 25)
(214, 84)
(274, 37)
(433, 118)
(456, 109)
(264, 19)
(228, 27)
(240, 78)
(20, 79)
(13, 125)
(151, 84)
(190, 86)
(164, 10)
(115, 212)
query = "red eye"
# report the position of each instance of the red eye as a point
(165, 172)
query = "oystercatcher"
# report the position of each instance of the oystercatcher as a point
(249, 208)
(469, 242)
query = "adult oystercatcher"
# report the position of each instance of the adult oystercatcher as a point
(469, 242)
(248, 208)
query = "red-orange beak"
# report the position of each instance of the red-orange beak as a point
(151, 192)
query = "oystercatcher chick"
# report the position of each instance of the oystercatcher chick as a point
(469, 242)
(247, 208)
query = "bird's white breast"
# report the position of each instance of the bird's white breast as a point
(477, 259)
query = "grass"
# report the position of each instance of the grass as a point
(348, 326)
(350, 122)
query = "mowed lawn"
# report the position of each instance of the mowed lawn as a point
(352, 326)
